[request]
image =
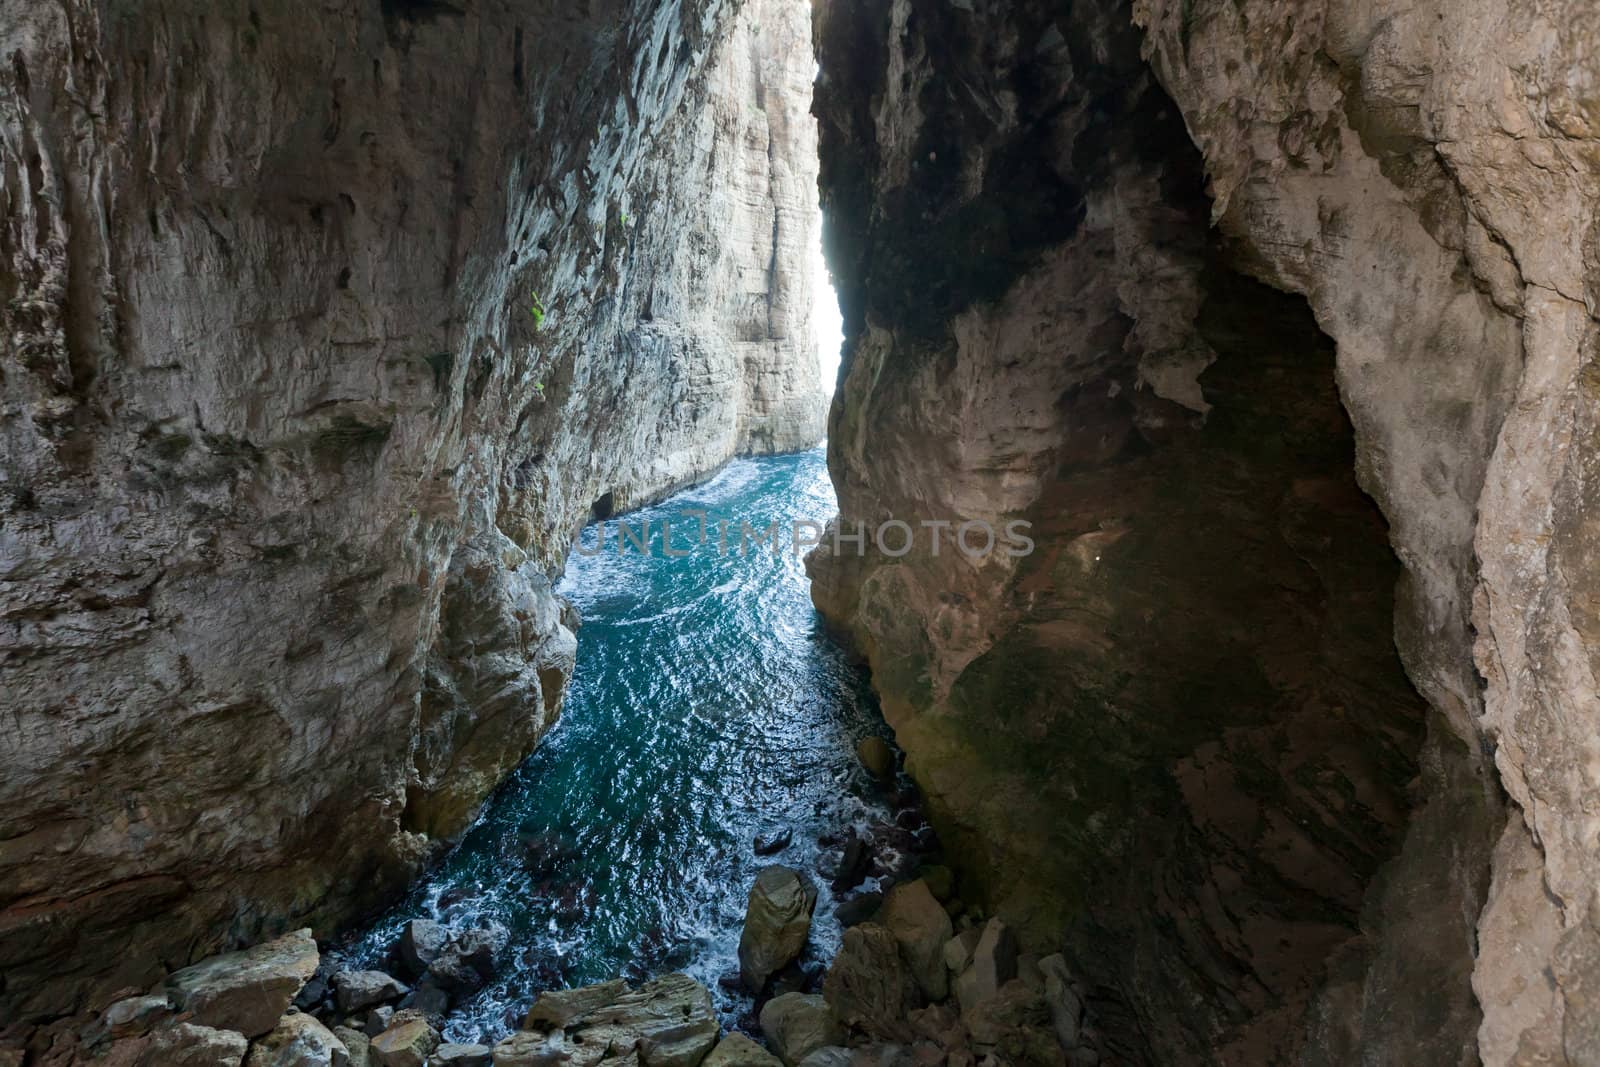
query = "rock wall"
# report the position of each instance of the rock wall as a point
(289, 458)
(1425, 175)
(1175, 739)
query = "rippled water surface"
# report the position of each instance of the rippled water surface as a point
(708, 706)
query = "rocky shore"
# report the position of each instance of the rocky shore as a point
(921, 981)
(922, 977)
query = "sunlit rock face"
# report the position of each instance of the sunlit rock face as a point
(289, 456)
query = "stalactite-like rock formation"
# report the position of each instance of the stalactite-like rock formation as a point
(289, 457)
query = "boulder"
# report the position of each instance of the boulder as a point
(558, 1008)
(421, 942)
(378, 1020)
(429, 1000)
(668, 1022)
(357, 1044)
(1063, 1002)
(135, 1015)
(770, 844)
(408, 1042)
(1014, 1024)
(737, 1050)
(921, 926)
(959, 949)
(855, 860)
(876, 756)
(191, 1045)
(465, 963)
(357, 990)
(869, 985)
(245, 991)
(797, 1024)
(994, 963)
(299, 1040)
(776, 924)
(461, 1056)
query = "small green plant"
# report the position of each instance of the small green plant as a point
(538, 387)
(624, 218)
(538, 311)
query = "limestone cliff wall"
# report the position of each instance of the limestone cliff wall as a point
(1426, 175)
(1173, 739)
(289, 460)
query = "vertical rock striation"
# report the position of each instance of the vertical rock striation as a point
(288, 457)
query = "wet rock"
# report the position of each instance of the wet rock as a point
(797, 1024)
(994, 963)
(558, 1008)
(876, 756)
(246, 991)
(461, 1056)
(737, 1050)
(421, 942)
(312, 994)
(922, 927)
(357, 1044)
(770, 844)
(1063, 1002)
(465, 963)
(776, 925)
(354, 991)
(858, 909)
(430, 1000)
(133, 1016)
(869, 985)
(299, 1040)
(854, 861)
(407, 1042)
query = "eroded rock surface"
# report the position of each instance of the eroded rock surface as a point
(1200, 635)
(289, 456)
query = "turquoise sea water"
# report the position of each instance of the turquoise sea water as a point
(708, 706)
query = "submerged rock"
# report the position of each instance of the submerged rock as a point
(776, 924)
(246, 991)
(797, 1024)
(770, 844)
(299, 1041)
